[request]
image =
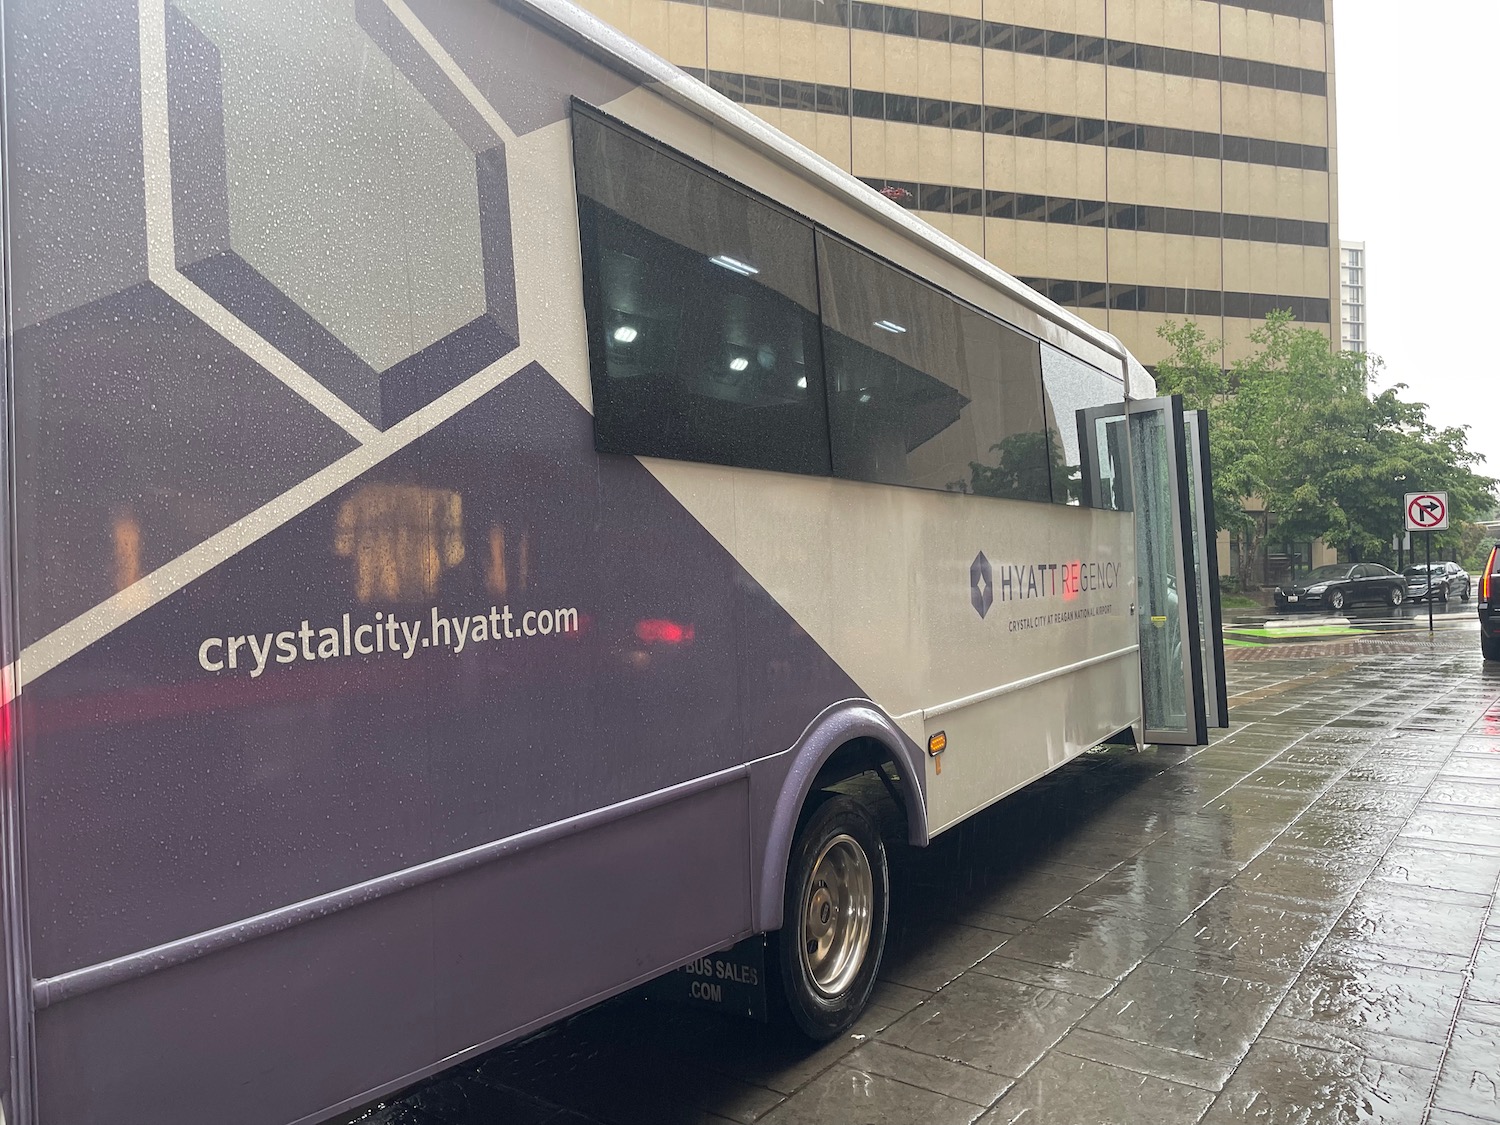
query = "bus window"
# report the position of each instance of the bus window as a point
(1079, 430)
(923, 390)
(701, 305)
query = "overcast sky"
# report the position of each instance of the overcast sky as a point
(1417, 184)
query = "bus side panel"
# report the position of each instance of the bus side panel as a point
(575, 921)
(15, 1009)
(1001, 744)
(210, 545)
(327, 1013)
(1022, 590)
(190, 793)
(931, 600)
(16, 975)
(187, 791)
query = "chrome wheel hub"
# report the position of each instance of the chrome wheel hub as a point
(836, 916)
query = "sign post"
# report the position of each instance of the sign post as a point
(1427, 511)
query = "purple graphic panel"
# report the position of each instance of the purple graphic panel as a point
(9, 924)
(219, 254)
(142, 432)
(73, 154)
(329, 1012)
(233, 750)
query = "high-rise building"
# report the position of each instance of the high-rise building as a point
(1136, 160)
(1352, 296)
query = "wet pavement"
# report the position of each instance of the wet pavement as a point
(1295, 925)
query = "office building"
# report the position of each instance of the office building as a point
(1137, 160)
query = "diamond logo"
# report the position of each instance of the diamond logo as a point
(981, 585)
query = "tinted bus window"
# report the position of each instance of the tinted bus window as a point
(924, 391)
(1086, 433)
(701, 303)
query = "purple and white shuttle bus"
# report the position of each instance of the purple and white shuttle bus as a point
(472, 494)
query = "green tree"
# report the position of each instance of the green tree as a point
(1195, 370)
(1473, 548)
(1294, 426)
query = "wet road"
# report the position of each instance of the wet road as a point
(1295, 925)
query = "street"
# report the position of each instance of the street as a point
(1295, 924)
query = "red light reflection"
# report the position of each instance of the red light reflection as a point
(6, 703)
(659, 631)
(1072, 579)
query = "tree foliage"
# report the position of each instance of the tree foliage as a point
(1294, 427)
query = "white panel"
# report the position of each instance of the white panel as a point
(548, 262)
(880, 577)
(997, 746)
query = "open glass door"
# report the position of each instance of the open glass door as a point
(1205, 555)
(1167, 570)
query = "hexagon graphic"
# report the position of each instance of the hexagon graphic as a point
(334, 192)
(981, 585)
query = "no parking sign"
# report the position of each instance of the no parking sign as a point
(1426, 511)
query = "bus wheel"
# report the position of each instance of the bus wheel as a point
(833, 933)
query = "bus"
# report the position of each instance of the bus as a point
(475, 497)
(1489, 619)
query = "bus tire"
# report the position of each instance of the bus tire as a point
(828, 949)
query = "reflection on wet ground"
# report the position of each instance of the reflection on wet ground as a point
(1367, 630)
(1296, 924)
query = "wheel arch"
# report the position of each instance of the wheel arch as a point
(850, 724)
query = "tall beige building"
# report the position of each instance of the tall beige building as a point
(1136, 160)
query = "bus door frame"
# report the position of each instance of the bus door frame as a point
(1207, 531)
(1192, 551)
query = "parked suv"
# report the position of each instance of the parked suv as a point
(1489, 607)
(1447, 580)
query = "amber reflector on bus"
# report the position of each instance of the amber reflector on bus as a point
(937, 744)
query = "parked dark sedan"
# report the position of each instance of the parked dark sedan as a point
(1342, 584)
(1447, 580)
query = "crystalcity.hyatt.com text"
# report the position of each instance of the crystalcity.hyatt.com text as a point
(253, 653)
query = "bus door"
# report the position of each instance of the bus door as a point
(1205, 555)
(1177, 603)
